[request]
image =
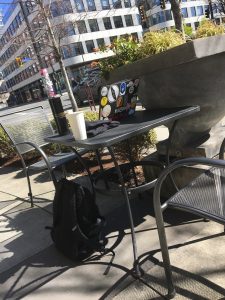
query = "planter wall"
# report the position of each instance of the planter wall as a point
(190, 74)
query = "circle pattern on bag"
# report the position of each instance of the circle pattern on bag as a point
(104, 101)
(123, 88)
(104, 91)
(106, 111)
(113, 93)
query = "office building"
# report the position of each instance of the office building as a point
(89, 25)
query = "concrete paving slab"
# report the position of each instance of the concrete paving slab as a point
(31, 267)
(197, 271)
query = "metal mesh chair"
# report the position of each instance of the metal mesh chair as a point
(204, 196)
(27, 130)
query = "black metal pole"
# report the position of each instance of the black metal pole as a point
(211, 10)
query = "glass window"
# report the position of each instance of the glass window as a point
(69, 29)
(129, 20)
(66, 51)
(168, 15)
(193, 11)
(107, 23)
(100, 42)
(127, 3)
(154, 19)
(90, 46)
(199, 10)
(184, 12)
(66, 7)
(93, 25)
(79, 5)
(135, 36)
(78, 48)
(112, 38)
(117, 4)
(81, 27)
(161, 16)
(91, 5)
(196, 25)
(118, 21)
(105, 4)
(54, 9)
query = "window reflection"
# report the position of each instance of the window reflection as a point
(105, 4)
(91, 5)
(79, 5)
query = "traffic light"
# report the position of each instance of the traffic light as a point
(207, 13)
(142, 13)
(19, 61)
(162, 4)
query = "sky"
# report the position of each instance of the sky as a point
(4, 5)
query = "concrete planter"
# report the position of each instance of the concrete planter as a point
(190, 74)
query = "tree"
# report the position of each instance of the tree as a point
(177, 15)
(43, 35)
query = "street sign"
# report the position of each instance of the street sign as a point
(26, 59)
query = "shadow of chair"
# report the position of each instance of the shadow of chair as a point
(27, 130)
(204, 196)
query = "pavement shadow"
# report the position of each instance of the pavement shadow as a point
(152, 284)
(30, 250)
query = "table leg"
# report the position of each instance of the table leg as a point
(124, 190)
(101, 167)
(132, 163)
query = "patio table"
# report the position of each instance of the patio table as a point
(141, 122)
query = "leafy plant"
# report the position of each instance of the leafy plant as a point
(159, 41)
(6, 148)
(138, 145)
(208, 28)
(125, 50)
(188, 31)
(91, 116)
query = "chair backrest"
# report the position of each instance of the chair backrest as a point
(27, 125)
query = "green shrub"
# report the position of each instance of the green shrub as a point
(6, 148)
(208, 28)
(188, 31)
(126, 51)
(159, 41)
(91, 115)
(138, 145)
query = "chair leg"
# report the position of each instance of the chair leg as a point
(165, 252)
(64, 171)
(29, 187)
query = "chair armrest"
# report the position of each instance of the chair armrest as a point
(42, 153)
(182, 163)
(222, 150)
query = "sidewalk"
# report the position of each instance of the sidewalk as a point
(31, 267)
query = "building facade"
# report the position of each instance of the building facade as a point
(193, 12)
(89, 25)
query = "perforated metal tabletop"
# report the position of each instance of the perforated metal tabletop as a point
(141, 122)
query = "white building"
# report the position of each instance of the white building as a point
(91, 23)
(193, 12)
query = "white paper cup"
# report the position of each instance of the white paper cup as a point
(77, 124)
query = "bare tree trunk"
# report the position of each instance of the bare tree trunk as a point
(59, 57)
(175, 8)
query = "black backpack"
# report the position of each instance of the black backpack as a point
(77, 224)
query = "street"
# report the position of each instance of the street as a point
(44, 103)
